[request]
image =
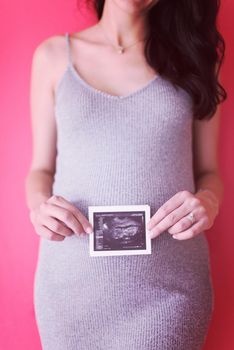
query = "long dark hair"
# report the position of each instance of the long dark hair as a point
(185, 47)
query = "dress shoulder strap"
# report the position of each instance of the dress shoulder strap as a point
(68, 44)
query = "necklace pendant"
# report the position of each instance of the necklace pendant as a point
(120, 49)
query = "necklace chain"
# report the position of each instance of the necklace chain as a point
(120, 48)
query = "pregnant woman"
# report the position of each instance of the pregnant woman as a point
(125, 112)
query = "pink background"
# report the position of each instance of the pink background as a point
(23, 25)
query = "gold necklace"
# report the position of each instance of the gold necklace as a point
(120, 48)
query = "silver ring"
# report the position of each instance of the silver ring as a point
(191, 217)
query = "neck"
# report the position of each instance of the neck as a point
(122, 25)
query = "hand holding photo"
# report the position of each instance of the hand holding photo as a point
(119, 230)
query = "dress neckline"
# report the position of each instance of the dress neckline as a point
(91, 88)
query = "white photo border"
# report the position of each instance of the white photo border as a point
(121, 208)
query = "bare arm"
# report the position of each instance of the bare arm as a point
(206, 162)
(53, 217)
(38, 183)
(205, 150)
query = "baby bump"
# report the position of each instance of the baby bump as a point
(167, 290)
(172, 264)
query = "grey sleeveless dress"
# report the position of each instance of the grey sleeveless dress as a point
(120, 150)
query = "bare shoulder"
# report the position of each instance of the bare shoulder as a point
(48, 50)
(50, 55)
(49, 58)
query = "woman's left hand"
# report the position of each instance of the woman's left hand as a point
(171, 216)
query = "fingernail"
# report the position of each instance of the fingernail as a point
(89, 230)
(150, 233)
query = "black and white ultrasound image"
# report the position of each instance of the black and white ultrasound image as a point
(119, 231)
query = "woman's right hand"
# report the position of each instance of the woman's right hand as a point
(56, 218)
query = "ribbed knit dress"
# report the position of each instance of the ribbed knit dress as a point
(121, 150)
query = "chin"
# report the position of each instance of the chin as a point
(134, 6)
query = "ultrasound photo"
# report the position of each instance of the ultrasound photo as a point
(119, 230)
